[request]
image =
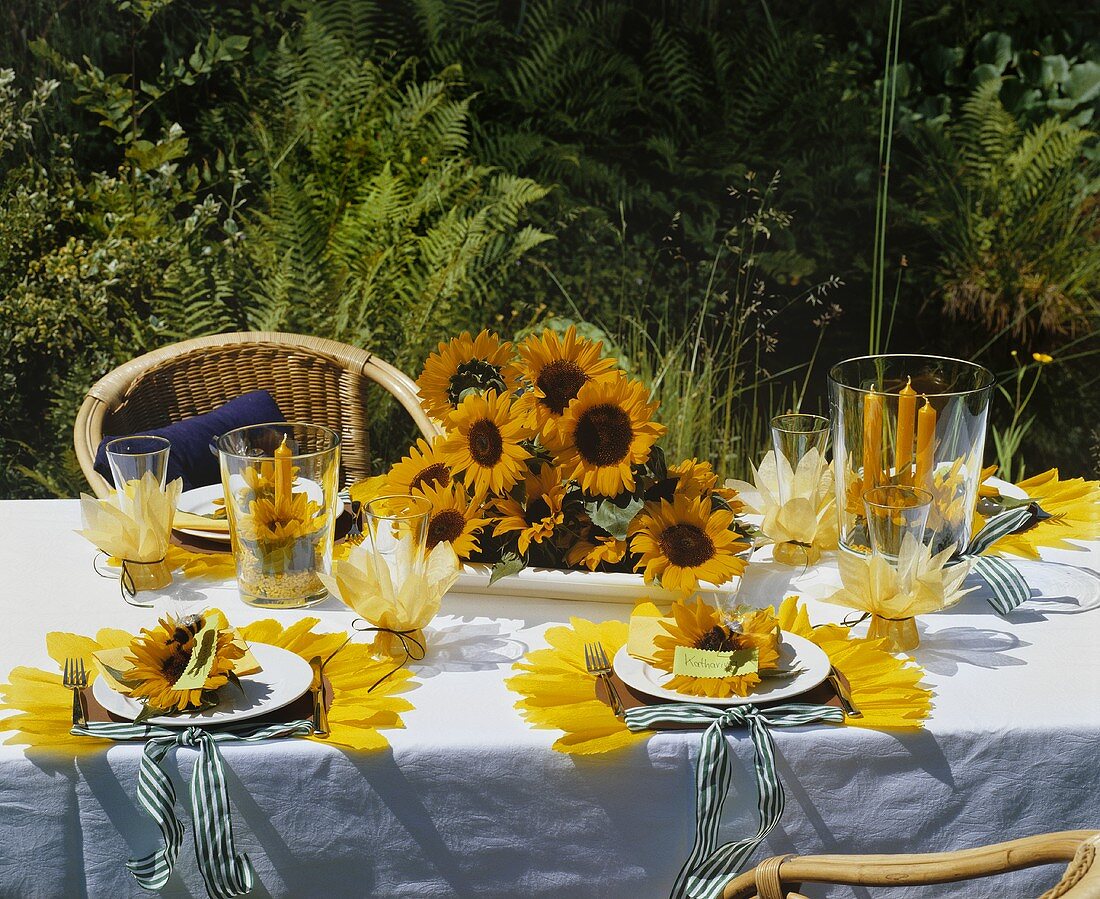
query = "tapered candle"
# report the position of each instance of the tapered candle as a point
(872, 440)
(907, 419)
(926, 445)
(283, 474)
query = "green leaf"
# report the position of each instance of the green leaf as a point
(1053, 71)
(1083, 83)
(984, 74)
(612, 518)
(509, 564)
(994, 49)
(147, 712)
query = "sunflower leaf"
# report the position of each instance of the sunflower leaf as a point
(509, 564)
(231, 676)
(147, 712)
(612, 518)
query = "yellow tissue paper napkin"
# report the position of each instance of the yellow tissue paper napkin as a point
(400, 593)
(134, 524)
(803, 525)
(920, 583)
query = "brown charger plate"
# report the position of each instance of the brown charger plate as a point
(822, 694)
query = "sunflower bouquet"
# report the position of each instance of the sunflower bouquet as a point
(179, 665)
(550, 458)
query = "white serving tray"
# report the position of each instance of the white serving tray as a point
(554, 583)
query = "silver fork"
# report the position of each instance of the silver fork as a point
(595, 660)
(76, 679)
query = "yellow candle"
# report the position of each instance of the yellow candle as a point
(926, 444)
(907, 419)
(872, 440)
(283, 474)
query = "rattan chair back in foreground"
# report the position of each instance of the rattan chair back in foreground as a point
(782, 877)
(312, 379)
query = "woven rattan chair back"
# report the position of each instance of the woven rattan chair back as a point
(312, 379)
(782, 877)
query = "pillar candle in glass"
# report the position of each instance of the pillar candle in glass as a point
(873, 445)
(281, 496)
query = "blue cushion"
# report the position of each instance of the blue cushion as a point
(191, 458)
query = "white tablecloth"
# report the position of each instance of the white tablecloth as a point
(470, 801)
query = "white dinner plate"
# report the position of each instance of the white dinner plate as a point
(794, 652)
(285, 677)
(200, 501)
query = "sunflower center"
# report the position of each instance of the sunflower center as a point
(561, 380)
(434, 474)
(717, 639)
(686, 545)
(603, 435)
(538, 510)
(445, 527)
(486, 445)
(175, 663)
(474, 374)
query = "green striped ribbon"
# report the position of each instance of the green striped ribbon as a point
(225, 872)
(710, 867)
(1007, 586)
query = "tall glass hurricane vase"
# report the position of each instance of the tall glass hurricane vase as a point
(280, 483)
(909, 421)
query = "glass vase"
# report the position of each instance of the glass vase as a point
(916, 421)
(280, 482)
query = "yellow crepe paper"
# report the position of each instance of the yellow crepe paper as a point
(805, 524)
(1074, 505)
(135, 525)
(558, 693)
(43, 707)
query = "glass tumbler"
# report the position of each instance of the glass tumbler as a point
(131, 459)
(281, 495)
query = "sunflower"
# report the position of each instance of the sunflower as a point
(423, 467)
(454, 519)
(605, 431)
(480, 363)
(536, 518)
(276, 529)
(484, 443)
(695, 479)
(558, 368)
(595, 550)
(685, 541)
(160, 656)
(703, 627)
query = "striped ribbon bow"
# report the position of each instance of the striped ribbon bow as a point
(1006, 584)
(710, 867)
(225, 872)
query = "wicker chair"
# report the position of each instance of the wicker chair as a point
(312, 379)
(782, 876)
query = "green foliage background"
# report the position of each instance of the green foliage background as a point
(389, 172)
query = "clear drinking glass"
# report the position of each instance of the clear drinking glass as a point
(131, 457)
(729, 600)
(397, 532)
(281, 495)
(896, 519)
(915, 421)
(794, 435)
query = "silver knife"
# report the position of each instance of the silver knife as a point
(843, 694)
(317, 688)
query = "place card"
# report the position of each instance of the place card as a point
(691, 662)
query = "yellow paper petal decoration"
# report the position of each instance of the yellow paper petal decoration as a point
(559, 694)
(558, 691)
(1074, 506)
(43, 707)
